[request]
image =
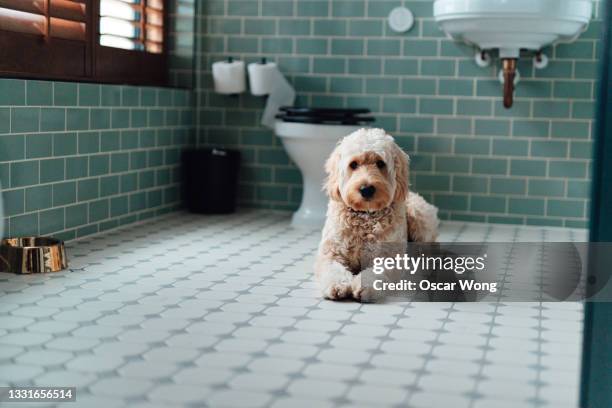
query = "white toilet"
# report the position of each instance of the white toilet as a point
(309, 136)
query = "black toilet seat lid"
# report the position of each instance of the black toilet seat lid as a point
(328, 121)
(304, 111)
(330, 116)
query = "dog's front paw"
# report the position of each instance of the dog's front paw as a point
(335, 281)
(363, 294)
(337, 290)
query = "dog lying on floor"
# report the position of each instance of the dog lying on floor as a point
(369, 202)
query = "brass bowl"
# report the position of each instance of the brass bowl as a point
(32, 255)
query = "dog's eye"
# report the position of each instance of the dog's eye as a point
(353, 165)
(380, 164)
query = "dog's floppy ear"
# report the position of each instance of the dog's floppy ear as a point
(332, 182)
(401, 161)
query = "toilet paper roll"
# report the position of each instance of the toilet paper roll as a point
(281, 93)
(229, 77)
(261, 77)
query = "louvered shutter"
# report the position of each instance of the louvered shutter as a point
(44, 37)
(114, 41)
(56, 18)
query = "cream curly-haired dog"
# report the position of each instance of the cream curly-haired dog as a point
(367, 183)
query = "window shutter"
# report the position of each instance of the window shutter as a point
(69, 19)
(117, 41)
(132, 24)
(45, 38)
(48, 18)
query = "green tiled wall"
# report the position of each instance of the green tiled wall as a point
(180, 42)
(76, 159)
(474, 159)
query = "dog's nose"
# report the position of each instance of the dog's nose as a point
(367, 191)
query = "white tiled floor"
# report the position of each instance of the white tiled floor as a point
(222, 311)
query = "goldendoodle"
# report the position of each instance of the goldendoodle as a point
(369, 202)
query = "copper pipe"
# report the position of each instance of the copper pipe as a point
(509, 68)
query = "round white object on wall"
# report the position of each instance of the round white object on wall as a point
(401, 19)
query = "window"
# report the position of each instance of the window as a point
(115, 41)
(132, 26)
(130, 43)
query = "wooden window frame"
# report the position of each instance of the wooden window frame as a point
(36, 57)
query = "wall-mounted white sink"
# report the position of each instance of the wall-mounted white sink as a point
(512, 25)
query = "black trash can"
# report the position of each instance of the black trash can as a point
(210, 180)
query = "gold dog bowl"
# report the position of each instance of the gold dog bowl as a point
(32, 255)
